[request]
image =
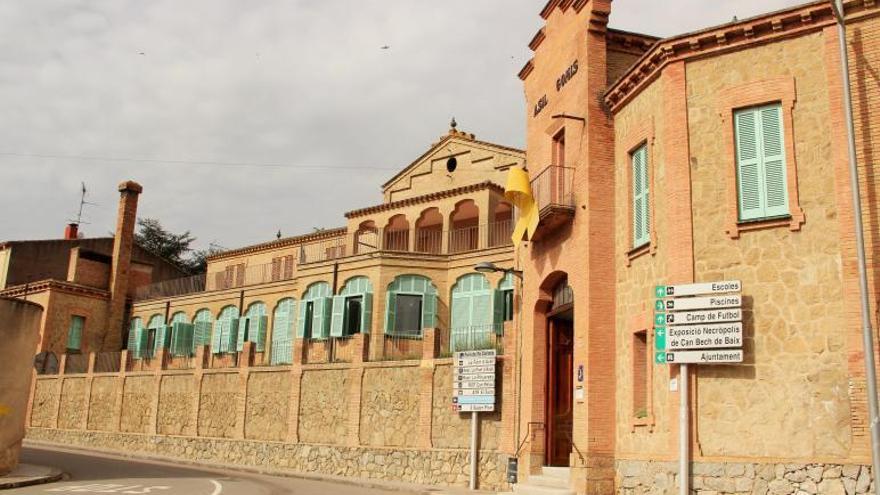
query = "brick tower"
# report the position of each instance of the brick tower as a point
(120, 269)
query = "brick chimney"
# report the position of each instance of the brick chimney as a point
(71, 231)
(120, 269)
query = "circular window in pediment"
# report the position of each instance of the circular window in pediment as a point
(451, 164)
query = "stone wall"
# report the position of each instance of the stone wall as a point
(176, 399)
(388, 420)
(102, 403)
(641, 477)
(268, 400)
(389, 408)
(137, 404)
(220, 393)
(71, 411)
(45, 403)
(323, 415)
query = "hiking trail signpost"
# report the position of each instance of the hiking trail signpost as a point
(696, 324)
(473, 391)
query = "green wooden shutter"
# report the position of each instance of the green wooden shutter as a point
(231, 338)
(460, 323)
(74, 333)
(182, 338)
(301, 321)
(498, 311)
(217, 337)
(367, 313)
(429, 311)
(640, 206)
(326, 316)
(201, 334)
(390, 311)
(143, 339)
(162, 332)
(259, 332)
(748, 165)
(244, 329)
(337, 317)
(282, 338)
(773, 161)
(133, 335)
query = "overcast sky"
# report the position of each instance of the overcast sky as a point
(243, 118)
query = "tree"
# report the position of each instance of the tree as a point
(173, 247)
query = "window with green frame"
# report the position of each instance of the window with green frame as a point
(353, 308)
(315, 312)
(225, 337)
(181, 335)
(203, 324)
(74, 334)
(282, 332)
(762, 186)
(252, 327)
(641, 208)
(476, 313)
(410, 306)
(135, 330)
(157, 336)
(506, 288)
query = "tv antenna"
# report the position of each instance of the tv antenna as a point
(82, 203)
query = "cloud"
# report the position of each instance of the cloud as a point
(273, 82)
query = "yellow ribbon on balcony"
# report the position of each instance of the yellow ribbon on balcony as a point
(519, 192)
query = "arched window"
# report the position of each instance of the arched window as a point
(410, 306)
(155, 336)
(181, 335)
(429, 231)
(282, 332)
(225, 337)
(135, 335)
(475, 313)
(353, 308)
(464, 227)
(203, 323)
(314, 312)
(397, 234)
(252, 328)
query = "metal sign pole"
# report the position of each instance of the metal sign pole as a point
(683, 432)
(474, 431)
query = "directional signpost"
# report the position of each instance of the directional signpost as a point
(473, 390)
(696, 324)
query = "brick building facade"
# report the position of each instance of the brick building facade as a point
(652, 147)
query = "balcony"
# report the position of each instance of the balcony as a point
(553, 190)
(231, 277)
(433, 241)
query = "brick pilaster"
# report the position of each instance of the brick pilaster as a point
(87, 395)
(355, 382)
(293, 404)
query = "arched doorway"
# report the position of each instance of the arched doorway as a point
(556, 310)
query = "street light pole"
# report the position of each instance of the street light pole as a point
(867, 331)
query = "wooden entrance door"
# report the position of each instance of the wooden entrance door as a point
(560, 370)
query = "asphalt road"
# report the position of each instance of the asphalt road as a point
(98, 473)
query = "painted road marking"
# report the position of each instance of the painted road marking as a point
(112, 488)
(218, 488)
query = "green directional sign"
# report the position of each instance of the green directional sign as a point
(659, 319)
(660, 357)
(660, 291)
(659, 306)
(660, 338)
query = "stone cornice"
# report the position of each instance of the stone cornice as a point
(59, 285)
(537, 39)
(425, 198)
(729, 37)
(526, 70)
(280, 243)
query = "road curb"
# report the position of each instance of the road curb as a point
(360, 482)
(52, 474)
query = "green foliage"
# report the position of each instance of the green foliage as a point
(153, 237)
